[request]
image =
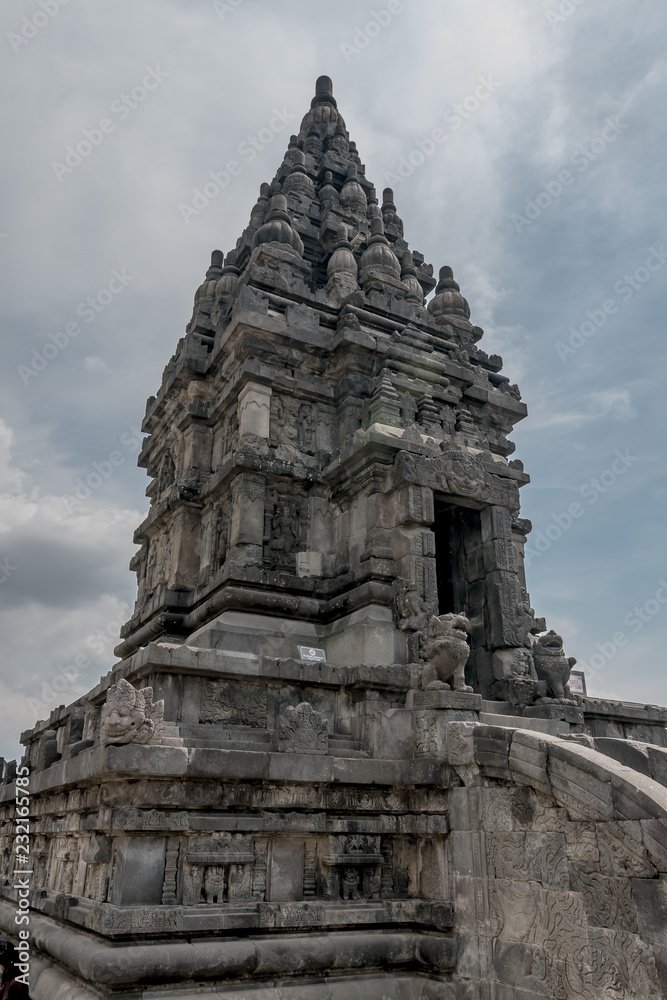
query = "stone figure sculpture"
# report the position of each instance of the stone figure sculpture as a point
(130, 716)
(214, 884)
(552, 666)
(350, 884)
(447, 652)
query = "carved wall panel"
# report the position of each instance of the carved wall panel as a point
(303, 730)
(286, 528)
(234, 703)
(219, 869)
(215, 527)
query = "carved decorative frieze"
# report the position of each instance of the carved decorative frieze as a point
(219, 869)
(425, 733)
(303, 730)
(233, 703)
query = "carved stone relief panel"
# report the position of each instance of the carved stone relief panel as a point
(303, 730)
(158, 564)
(306, 428)
(352, 870)
(284, 424)
(285, 528)
(219, 869)
(215, 526)
(234, 703)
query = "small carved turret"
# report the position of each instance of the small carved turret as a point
(278, 227)
(313, 144)
(353, 196)
(391, 219)
(447, 300)
(328, 195)
(379, 262)
(409, 278)
(259, 209)
(226, 286)
(339, 141)
(342, 269)
(203, 304)
(298, 181)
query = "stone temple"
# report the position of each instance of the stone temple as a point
(338, 757)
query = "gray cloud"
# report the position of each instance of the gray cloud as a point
(119, 208)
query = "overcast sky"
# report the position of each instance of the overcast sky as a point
(546, 194)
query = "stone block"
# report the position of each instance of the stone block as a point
(585, 795)
(214, 763)
(134, 758)
(389, 734)
(460, 700)
(657, 761)
(459, 742)
(638, 797)
(285, 874)
(468, 857)
(301, 767)
(464, 808)
(608, 901)
(625, 752)
(565, 713)
(367, 772)
(254, 408)
(138, 871)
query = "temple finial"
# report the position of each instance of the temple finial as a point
(324, 86)
(323, 92)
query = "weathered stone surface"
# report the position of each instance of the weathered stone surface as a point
(276, 794)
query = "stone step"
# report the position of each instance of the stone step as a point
(497, 707)
(214, 736)
(219, 736)
(552, 727)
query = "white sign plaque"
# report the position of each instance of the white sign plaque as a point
(577, 682)
(311, 653)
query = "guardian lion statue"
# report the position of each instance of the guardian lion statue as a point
(447, 651)
(553, 666)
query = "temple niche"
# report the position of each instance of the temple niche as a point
(339, 754)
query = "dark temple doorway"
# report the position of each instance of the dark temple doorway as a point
(458, 557)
